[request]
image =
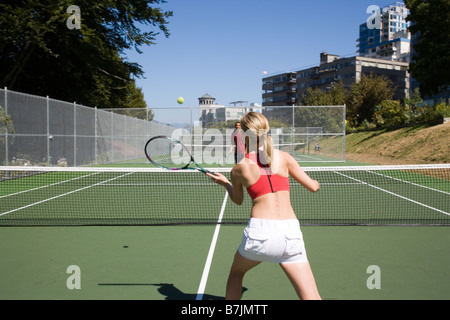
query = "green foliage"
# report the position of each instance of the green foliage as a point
(361, 100)
(6, 126)
(414, 101)
(369, 106)
(316, 97)
(443, 110)
(329, 119)
(336, 96)
(365, 95)
(390, 113)
(135, 103)
(40, 54)
(431, 62)
(432, 114)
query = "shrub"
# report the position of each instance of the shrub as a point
(432, 114)
(390, 113)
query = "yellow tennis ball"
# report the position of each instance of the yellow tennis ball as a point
(180, 100)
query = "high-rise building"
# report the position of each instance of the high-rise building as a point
(384, 49)
(387, 38)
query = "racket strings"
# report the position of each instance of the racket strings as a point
(167, 153)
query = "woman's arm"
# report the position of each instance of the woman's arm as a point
(234, 188)
(299, 175)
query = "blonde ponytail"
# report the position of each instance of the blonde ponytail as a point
(256, 126)
(268, 149)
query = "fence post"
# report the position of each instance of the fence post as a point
(48, 132)
(112, 136)
(146, 124)
(191, 120)
(125, 136)
(135, 136)
(293, 130)
(344, 133)
(96, 137)
(6, 132)
(74, 134)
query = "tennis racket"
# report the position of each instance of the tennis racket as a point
(169, 153)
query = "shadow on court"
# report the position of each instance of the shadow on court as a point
(170, 291)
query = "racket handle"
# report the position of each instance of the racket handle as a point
(207, 171)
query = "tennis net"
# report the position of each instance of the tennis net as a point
(372, 195)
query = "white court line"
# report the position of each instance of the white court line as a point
(64, 194)
(49, 185)
(201, 288)
(414, 184)
(160, 184)
(394, 194)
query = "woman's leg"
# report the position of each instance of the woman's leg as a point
(238, 269)
(302, 278)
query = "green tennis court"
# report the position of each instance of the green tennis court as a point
(146, 234)
(167, 263)
(374, 195)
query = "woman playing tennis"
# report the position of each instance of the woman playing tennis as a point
(273, 232)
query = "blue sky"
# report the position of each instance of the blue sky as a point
(222, 47)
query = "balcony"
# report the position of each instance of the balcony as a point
(314, 75)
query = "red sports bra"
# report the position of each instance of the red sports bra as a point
(267, 182)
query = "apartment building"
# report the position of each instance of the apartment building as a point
(280, 89)
(288, 88)
(384, 49)
(389, 37)
(350, 70)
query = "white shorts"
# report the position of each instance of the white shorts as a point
(279, 241)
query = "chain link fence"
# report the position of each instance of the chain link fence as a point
(47, 132)
(40, 131)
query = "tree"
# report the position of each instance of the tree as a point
(365, 95)
(414, 100)
(430, 64)
(40, 54)
(135, 104)
(316, 97)
(6, 125)
(329, 119)
(390, 113)
(336, 96)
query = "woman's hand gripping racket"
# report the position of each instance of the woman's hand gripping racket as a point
(169, 153)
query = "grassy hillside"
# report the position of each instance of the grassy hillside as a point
(414, 145)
